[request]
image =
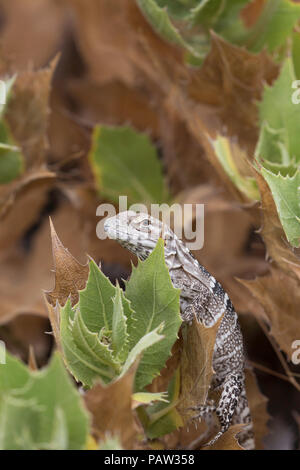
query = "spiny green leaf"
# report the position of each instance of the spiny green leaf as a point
(296, 52)
(159, 18)
(146, 341)
(119, 327)
(286, 194)
(41, 409)
(223, 16)
(87, 358)
(90, 343)
(125, 162)
(280, 113)
(271, 145)
(153, 299)
(163, 418)
(95, 301)
(274, 25)
(178, 9)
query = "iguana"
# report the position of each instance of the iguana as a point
(201, 295)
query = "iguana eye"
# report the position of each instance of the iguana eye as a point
(146, 223)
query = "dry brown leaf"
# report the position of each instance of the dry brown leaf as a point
(228, 440)
(258, 407)
(196, 366)
(231, 80)
(30, 98)
(189, 102)
(70, 275)
(27, 115)
(43, 21)
(27, 196)
(279, 295)
(111, 409)
(32, 364)
(24, 275)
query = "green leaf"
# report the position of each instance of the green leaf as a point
(146, 341)
(278, 150)
(224, 151)
(119, 327)
(280, 113)
(86, 356)
(178, 9)
(102, 336)
(95, 301)
(159, 18)
(148, 397)
(274, 25)
(271, 146)
(13, 375)
(40, 410)
(286, 194)
(207, 12)
(223, 16)
(163, 418)
(153, 299)
(125, 162)
(296, 52)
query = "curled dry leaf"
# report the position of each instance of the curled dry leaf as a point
(28, 194)
(188, 102)
(111, 409)
(30, 98)
(32, 364)
(196, 366)
(70, 275)
(232, 99)
(279, 295)
(230, 80)
(258, 406)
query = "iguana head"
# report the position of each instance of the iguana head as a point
(139, 233)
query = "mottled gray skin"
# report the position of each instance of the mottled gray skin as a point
(201, 295)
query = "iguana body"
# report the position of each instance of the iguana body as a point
(202, 295)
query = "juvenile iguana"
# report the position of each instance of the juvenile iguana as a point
(203, 295)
